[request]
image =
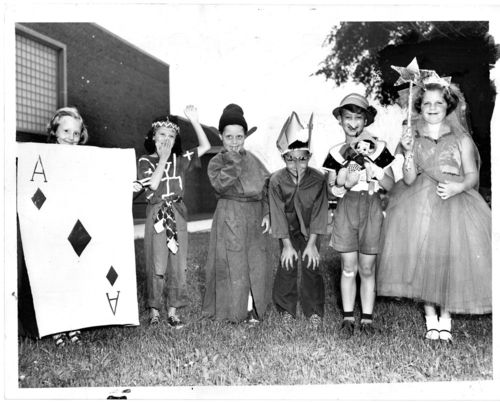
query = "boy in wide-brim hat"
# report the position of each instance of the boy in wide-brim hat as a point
(358, 217)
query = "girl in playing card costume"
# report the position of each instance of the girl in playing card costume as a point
(162, 173)
(358, 169)
(436, 239)
(238, 277)
(65, 127)
(298, 201)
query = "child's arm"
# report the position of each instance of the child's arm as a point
(311, 252)
(279, 222)
(266, 219)
(409, 167)
(387, 181)
(448, 189)
(192, 114)
(384, 176)
(224, 170)
(319, 212)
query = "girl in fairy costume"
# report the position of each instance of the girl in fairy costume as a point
(436, 238)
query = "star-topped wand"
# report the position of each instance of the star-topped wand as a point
(411, 74)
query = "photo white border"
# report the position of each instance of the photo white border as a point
(65, 11)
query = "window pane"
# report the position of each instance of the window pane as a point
(36, 75)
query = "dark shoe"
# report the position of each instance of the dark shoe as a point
(174, 322)
(347, 329)
(367, 329)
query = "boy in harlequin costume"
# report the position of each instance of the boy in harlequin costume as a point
(356, 175)
(238, 276)
(162, 173)
(298, 202)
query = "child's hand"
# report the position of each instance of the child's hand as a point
(191, 113)
(373, 170)
(407, 140)
(311, 252)
(163, 149)
(448, 189)
(288, 255)
(352, 179)
(136, 186)
(266, 222)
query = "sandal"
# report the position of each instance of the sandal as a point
(74, 336)
(445, 335)
(432, 334)
(59, 340)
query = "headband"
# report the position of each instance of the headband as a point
(165, 123)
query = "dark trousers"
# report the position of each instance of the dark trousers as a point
(312, 288)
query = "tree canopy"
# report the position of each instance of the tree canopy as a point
(356, 46)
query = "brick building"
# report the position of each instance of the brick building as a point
(117, 87)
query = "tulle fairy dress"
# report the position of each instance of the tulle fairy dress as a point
(434, 250)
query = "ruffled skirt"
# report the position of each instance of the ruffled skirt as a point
(437, 251)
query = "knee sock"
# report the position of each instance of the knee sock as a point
(366, 318)
(348, 315)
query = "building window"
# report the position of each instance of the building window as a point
(40, 80)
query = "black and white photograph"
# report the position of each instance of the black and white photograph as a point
(250, 201)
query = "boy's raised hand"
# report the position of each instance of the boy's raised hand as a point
(311, 252)
(191, 113)
(288, 255)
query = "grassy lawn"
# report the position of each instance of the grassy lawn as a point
(212, 353)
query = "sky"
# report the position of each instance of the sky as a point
(262, 58)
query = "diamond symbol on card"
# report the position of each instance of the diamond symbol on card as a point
(112, 276)
(38, 198)
(79, 238)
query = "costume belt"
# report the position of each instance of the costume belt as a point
(237, 198)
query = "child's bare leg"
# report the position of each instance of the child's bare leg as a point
(349, 263)
(367, 288)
